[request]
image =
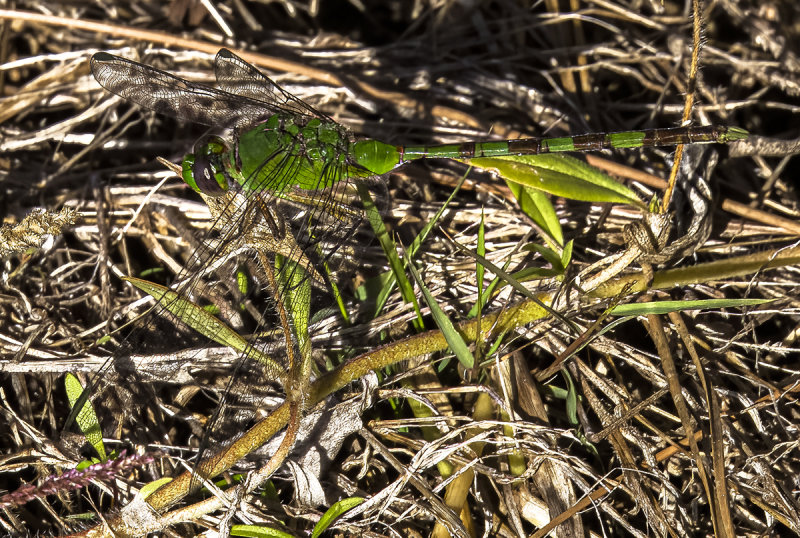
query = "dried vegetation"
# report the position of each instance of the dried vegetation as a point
(507, 449)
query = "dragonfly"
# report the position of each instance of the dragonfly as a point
(284, 147)
(283, 152)
(282, 178)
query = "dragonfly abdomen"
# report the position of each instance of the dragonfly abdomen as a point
(586, 142)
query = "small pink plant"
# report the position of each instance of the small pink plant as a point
(74, 479)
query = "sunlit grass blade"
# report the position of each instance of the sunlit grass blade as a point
(538, 207)
(479, 269)
(454, 339)
(206, 324)
(665, 307)
(517, 285)
(390, 250)
(555, 259)
(333, 513)
(487, 293)
(388, 281)
(257, 531)
(337, 295)
(86, 417)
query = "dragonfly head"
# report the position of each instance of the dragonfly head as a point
(204, 169)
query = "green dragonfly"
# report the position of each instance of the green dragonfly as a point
(284, 147)
(293, 161)
(278, 166)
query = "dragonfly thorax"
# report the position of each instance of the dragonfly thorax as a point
(315, 151)
(290, 152)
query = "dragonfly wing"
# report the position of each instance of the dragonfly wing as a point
(306, 226)
(167, 94)
(238, 77)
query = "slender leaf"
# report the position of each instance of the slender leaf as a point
(665, 307)
(451, 335)
(566, 254)
(559, 175)
(256, 531)
(86, 417)
(552, 257)
(206, 324)
(390, 250)
(538, 207)
(479, 269)
(150, 487)
(333, 513)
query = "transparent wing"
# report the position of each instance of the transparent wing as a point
(167, 94)
(313, 227)
(238, 77)
(319, 223)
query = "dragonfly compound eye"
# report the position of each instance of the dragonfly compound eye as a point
(204, 170)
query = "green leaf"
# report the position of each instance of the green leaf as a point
(103, 339)
(552, 257)
(535, 273)
(665, 307)
(150, 272)
(83, 516)
(566, 254)
(503, 278)
(337, 295)
(86, 417)
(333, 513)
(479, 269)
(255, 531)
(559, 175)
(149, 488)
(297, 296)
(451, 335)
(572, 399)
(390, 250)
(386, 242)
(371, 288)
(206, 324)
(538, 207)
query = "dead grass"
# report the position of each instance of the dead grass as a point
(600, 447)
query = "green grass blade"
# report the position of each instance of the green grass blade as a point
(630, 311)
(389, 282)
(665, 307)
(151, 487)
(416, 244)
(337, 295)
(479, 269)
(555, 259)
(256, 531)
(86, 417)
(571, 400)
(514, 283)
(566, 254)
(451, 335)
(206, 324)
(333, 513)
(490, 289)
(390, 250)
(538, 207)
